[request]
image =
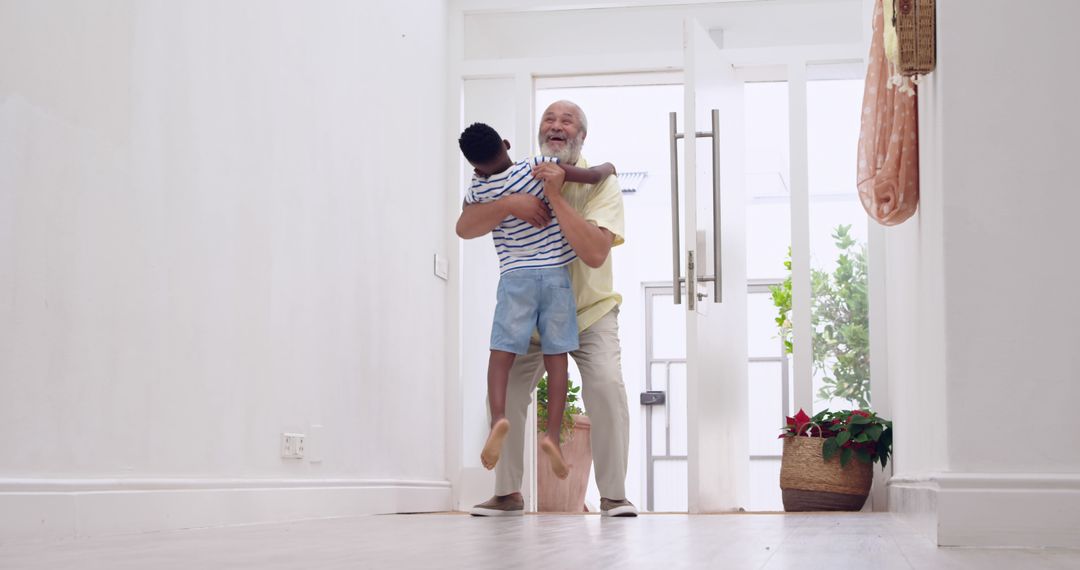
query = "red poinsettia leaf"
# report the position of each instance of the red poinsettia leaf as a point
(790, 420)
(801, 418)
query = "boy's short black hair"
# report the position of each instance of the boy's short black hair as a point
(480, 143)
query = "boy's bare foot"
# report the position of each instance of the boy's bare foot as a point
(558, 464)
(493, 446)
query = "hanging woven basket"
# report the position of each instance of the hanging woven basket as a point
(915, 22)
(809, 483)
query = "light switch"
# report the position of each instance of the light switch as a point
(442, 267)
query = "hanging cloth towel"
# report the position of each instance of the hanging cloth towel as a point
(888, 164)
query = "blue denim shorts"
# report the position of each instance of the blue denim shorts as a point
(535, 299)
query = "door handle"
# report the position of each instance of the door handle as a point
(653, 398)
(691, 280)
(718, 256)
(676, 275)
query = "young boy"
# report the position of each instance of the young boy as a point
(534, 285)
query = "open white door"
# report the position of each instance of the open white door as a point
(713, 266)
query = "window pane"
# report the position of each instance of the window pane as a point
(763, 335)
(768, 212)
(668, 328)
(676, 403)
(765, 485)
(838, 230)
(658, 427)
(669, 490)
(766, 408)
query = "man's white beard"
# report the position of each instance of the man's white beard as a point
(570, 153)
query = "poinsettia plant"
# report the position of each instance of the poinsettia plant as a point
(851, 433)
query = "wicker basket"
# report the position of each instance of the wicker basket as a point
(810, 483)
(915, 22)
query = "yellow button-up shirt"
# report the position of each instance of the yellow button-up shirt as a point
(600, 204)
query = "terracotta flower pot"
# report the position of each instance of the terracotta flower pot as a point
(809, 483)
(566, 495)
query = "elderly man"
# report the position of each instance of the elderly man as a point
(591, 217)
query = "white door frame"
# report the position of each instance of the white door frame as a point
(758, 64)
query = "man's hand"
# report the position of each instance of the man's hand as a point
(528, 209)
(590, 242)
(553, 176)
(479, 219)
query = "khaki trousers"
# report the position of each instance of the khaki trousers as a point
(604, 395)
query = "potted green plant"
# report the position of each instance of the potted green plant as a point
(839, 321)
(570, 412)
(817, 472)
(564, 495)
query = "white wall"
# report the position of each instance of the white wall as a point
(213, 229)
(915, 309)
(490, 101)
(983, 363)
(1012, 195)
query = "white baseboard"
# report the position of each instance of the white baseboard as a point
(914, 499)
(40, 509)
(991, 509)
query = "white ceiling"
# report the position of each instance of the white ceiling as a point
(472, 6)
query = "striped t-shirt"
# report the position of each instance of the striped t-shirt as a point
(518, 244)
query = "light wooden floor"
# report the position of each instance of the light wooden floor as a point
(873, 541)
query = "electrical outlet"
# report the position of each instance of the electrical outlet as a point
(292, 446)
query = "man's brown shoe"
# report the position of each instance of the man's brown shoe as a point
(511, 505)
(620, 508)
